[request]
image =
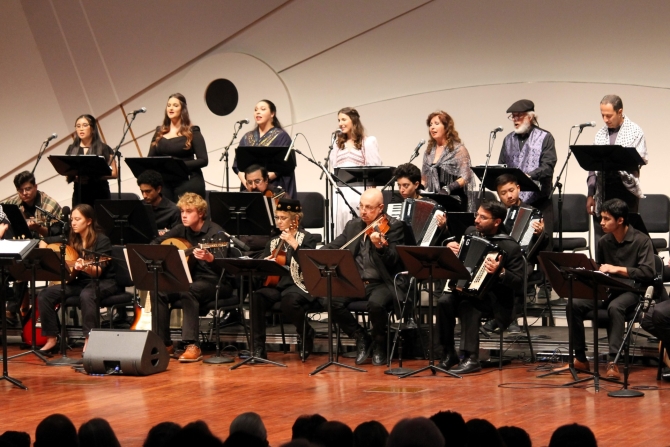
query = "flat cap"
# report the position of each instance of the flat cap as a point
(522, 105)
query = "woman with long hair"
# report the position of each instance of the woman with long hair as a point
(85, 235)
(446, 162)
(352, 148)
(178, 138)
(87, 142)
(268, 133)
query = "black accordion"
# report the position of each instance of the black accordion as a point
(473, 251)
(419, 215)
(519, 225)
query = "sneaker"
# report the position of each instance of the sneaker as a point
(491, 326)
(514, 328)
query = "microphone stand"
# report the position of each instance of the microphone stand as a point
(117, 155)
(411, 159)
(328, 236)
(492, 139)
(40, 152)
(224, 156)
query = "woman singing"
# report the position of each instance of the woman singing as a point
(268, 133)
(352, 148)
(178, 138)
(446, 162)
(290, 290)
(84, 235)
(87, 142)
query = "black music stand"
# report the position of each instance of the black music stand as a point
(41, 264)
(364, 175)
(173, 170)
(525, 182)
(554, 265)
(94, 166)
(126, 221)
(271, 158)
(10, 253)
(157, 268)
(248, 213)
(447, 201)
(19, 226)
(430, 263)
(217, 358)
(320, 268)
(606, 158)
(251, 268)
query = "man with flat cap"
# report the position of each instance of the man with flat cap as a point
(532, 150)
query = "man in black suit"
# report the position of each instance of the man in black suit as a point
(377, 261)
(498, 300)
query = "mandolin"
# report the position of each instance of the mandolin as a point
(183, 244)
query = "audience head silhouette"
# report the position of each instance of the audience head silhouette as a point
(370, 434)
(56, 430)
(514, 436)
(334, 434)
(250, 423)
(573, 435)
(416, 432)
(482, 433)
(97, 433)
(452, 426)
(305, 425)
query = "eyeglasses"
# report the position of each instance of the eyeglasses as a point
(257, 182)
(516, 116)
(282, 218)
(482, 217)
(367, 207)
(82, 126)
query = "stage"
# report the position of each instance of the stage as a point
(213, 393)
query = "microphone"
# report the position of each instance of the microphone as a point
(581, 126)
(53, 136)
(337, 132)
(418, 146)
(290, 148)
(241, 245)
(242, 122)
(497, 129)
(647, 298)
(135, 112)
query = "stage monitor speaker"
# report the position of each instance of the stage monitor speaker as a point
(125, 352)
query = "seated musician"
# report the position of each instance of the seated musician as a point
(498, 300)
(166, 213)
(28, 199)
(378, 262)
(623, 251)
(290, 290)
(194, 228)
(508, 191)
(84, 235)
(408, 177)
(656, 321)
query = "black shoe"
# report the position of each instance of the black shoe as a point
(363, 346)
(491, 326)
(449, 360)
(514, 328)
(49, 352)
(309, 344)
(379, 353)
(229, 319)
(467, 366)
(260, 352)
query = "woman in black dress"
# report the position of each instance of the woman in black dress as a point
(268, 133)
(87, 142)
(179, 139)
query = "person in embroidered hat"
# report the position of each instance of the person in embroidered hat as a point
(533, 150)
(290, 290)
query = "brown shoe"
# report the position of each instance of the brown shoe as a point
(170, 351)
(613, 371)
(191, 354)
(584, 366)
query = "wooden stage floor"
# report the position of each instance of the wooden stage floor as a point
(213, 393)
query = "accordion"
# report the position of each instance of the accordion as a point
(419, 215)
(473, 251)
(519, 225)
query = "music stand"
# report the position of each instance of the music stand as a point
(606, 158)
(248, 213)
(328, 273)
(173, 170)
(41, 264)
(157, 268)
(94, 166)
(19, 226)
(525, 182)
(251, 268)
(447, 201)
(126, 221)
(431, 263)
(364, 175)
(10, 253)
(217, 358)
(271, 158)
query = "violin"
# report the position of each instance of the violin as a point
(380, 225)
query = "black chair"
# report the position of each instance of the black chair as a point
(313, 208)
(123, 280)
(655, 212)
(575, 220)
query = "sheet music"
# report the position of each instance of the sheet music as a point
(184, 262)
(17, 248)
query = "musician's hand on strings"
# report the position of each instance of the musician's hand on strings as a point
(441, 220)
(491, 265)
(538, 226)
(203, 255)
(454, 246)
(42, 243)
(163, 231)
(33, 224)
(79, 264)
(287, 237)
(378, 239)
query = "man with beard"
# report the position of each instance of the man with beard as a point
(498, 300)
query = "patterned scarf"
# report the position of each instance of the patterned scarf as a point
(254, 138)
(526, 158)
(296, 273)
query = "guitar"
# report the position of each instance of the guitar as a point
(31, 316)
